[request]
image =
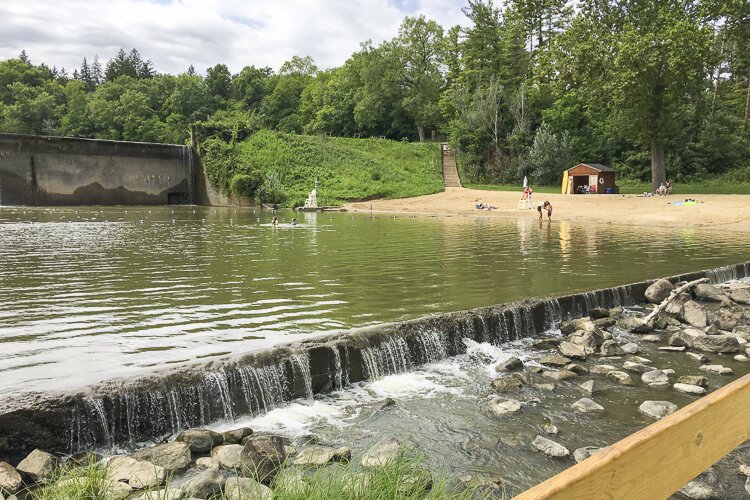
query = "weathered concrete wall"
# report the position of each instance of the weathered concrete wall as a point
(36, 170)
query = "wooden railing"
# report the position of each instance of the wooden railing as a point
(660, 459)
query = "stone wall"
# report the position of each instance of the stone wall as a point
(36, 170)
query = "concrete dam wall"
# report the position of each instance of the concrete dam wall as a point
(37, 170)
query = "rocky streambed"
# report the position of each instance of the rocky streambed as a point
(500, 417)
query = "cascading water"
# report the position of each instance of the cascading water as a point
(301, 364)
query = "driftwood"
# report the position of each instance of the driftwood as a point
(672, 296)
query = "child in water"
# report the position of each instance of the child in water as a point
(275, 221)
(294, 221)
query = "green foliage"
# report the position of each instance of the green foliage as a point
(220, 162)
(548, 157)
(246, 184)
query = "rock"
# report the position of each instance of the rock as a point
(663, 322)
(228, 455)
(559, 375)
(137, 473)
(635, 325)
(159, 494)
(590, 387)
(741, 295)
(632, 366)
(698, 380)
(207, 463)
(510, 364)
(315, 456)
(717, 343)
(200, 440)
(554, 360)
(581, 454)
(586, 405)
(236, 436)
(106, 489)
(745, 470)
(610, 348)
(504, 384)
(725, 320)
(292, 481)
(599, 313)
(689, 389)
(620, 377)
(483, 486)
(577, 369)
(550, 429)
(592, 338)
(747, 485)
(115, 490)
(10, 479)
(669, 371)
(653, 338)
(660, 290)
(694, 314)
(655, 377)
(38, 467)
(546, 344)
(605, 323)
(704, 291)
(568, 327)
(601, 369)
(657, 409)
(701, 358)
(686, 337)
(549, 447)
(243, 488)
(740, 357)
(675, 307)
(206, 484)
(672, 348)
(615, 311)
(501, 408)
(704, 487)
(717, 369)
(342, 454)
(381, 453)
(631, 348)
(545, 387)
(742, 332)
(171, 456)
(573, 351)
(262, 456)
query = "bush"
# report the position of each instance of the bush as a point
(219, 161)
(246, 184)
(271, 190)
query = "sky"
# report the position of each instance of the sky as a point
(177, 33)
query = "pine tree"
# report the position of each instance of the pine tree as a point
(191, 71)
(85, 76)
(97, 76)
(24, 58)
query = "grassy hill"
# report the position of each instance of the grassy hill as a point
(346, 169)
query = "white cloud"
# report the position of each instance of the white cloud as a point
(175, 34)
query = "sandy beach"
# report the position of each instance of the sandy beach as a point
(714, 212)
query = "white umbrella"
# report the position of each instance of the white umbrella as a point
(525, 181)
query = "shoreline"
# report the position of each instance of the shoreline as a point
(729, 213)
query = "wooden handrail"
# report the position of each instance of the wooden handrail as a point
(658, 460)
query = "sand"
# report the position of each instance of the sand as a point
(715, 212)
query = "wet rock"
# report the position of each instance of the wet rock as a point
(315, 456)
(689, 389)
(637, 367)
(725, 320)
(704, 487)
(620, 377)
(745, 470)
(747, 486)
(675, 307)
(705, 291)
(581, 454)
(741, 332)
(207, 463)
(698, 380)
(741, 295)
(701, 358)
(10, 479)
(559, 375)
(601, 369)
(670, 372)
(206, 484)
(656, 379)
(586, 405)
(243, 488)
(550, 429)
(200, 440)
(504, 384)
(672, 348)
(381, 453)
(38, 467)
(663, 322)
(590, 387)
(635, 325)
(587, 338)
(549, 447)
(342, 454)
(235, 436)
(717, 369)
(546, 344)
(568, 327)
(387, 403)
(554, 360)
(631, 348)
(639, 359)
(599, 313)
(605, 323)
(262, 456)
(615, 311)
(510, 364)
(717, 343)
(573, 351)
(171, 456)
(577, 369)
(504, 407)
(483, 485)
(137, 473)
(657, 409)
(740, 357)
(686, 337)
(659, 291)
(610, 348)
(228, 455)
(694, 314)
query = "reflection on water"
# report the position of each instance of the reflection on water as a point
(93, 293)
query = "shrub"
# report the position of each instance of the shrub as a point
(246, 184)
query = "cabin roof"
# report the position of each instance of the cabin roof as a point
(595, 166)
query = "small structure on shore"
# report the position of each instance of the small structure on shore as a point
(589, 178)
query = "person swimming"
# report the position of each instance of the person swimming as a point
(294, 221)
(274, 221)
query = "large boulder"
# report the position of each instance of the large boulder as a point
(635, 325)
(660, 290)
(568, 327)
(590, 387)
(573, 351)
(510, 364)
(698, 380)
(620, 377)
(559, 375)
(501, 408)
(137, 473)
(717, 369)
(549, 447)
(741, 295)
(610, 348)
(657, 409)
(262, 456)
(704, 291)
(633, 366)
(206, 484)
(656, 379)
(599, 313)
(725, 320)
(723, 344)
(689, 389)
(509, 383)
(586, 405)
(38, 467)
(228, 455)
(243, 488)
(554, 360)
(676, 305)
(381, 453)
(172, 456)
(592, 338)
(200, 440)
(694, 314)
(686, 338)
(235, 436)
(10, 479)
(315, 456)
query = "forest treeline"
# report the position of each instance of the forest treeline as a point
(653, 88)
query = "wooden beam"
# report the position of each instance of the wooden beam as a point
(660, 459)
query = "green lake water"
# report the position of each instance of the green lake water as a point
(93, 293)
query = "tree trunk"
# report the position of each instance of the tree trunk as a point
(747, 105)
(658, 170)
(421, 133)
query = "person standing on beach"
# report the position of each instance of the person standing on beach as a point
(548, 206)
(539, 209)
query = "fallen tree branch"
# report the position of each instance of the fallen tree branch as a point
(672, 296)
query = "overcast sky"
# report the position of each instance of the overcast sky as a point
(177, 33)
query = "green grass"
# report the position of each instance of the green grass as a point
(346, 169)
